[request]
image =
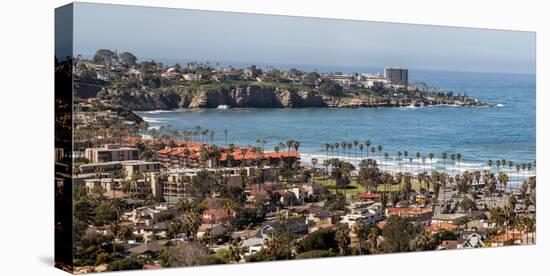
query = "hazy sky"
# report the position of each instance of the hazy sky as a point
(186, 35)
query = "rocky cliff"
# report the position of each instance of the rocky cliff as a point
(251, 96)
(239, 97)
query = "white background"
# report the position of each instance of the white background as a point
(26, 149)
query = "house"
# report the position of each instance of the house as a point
(448, 244)
(365, 196)
(214, 230)
(149, 233)
(369, 214)
(434, 228)
(217, 216)
(149, 249)
(149, 215)
(420, 216)
(323, 219)
(448, 218)
(509, 238)
(471, 239)
(296, 225)
(253, 245)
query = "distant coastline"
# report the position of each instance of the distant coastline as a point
(151, 85)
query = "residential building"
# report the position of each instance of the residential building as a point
(139, 167)
(448, 218)
(111, 152)
(148, 215)
(471, 239)
(397, 76)
(105, 184)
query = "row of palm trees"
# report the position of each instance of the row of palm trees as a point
(355, 144)
(197, 134)
(507, 219)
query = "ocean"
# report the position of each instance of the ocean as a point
(505, 131)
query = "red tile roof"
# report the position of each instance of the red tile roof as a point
(366, 195)
(409, 211)
(443, 225)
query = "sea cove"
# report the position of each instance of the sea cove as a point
(504, 131)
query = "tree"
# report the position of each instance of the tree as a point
(361, 231)
(204, 184)
(322, 239)
(279, 245)
(468, 204)
(186, 254)
(105, 213)
(129, 263)
(399, 234)
(192, 223)
(289, 199)
(373, 234)
(315, 254)
(330, 87)
(128, 58)
(369, 175)
(311, 78)
(104, 55)
(424, 241)
(342, 237)
(255, 71)
(235, 250)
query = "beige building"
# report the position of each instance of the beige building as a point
(111, 152)
(139, 166)
(106, 184)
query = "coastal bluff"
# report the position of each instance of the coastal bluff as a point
(251, 96)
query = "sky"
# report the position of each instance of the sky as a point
(178, 35)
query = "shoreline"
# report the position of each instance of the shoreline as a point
(158, 111)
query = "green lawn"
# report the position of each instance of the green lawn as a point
(357, 188)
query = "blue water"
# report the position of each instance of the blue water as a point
(506, 131)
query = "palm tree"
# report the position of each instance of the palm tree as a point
(337, 145)
(453, 158)
(417, 162)
(444, 157)
(314, 161)
(406, 154)
(192, 223)
(458, 157)
(380, 148)
(327, 147)
(374, 232)
(361, 147)
(518, 168)
(386, 156)
(349, 152)
(424, 241)
(399, 154)
(424, 163)
(355, 143)
(368, 143)
(342, 237)
(344, 146)
(361, 231)
(225, 132)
